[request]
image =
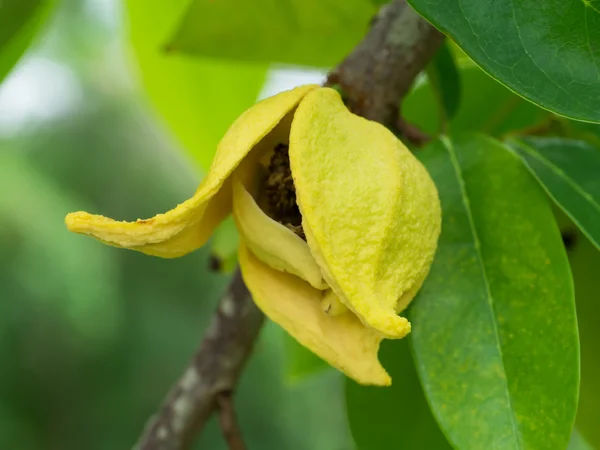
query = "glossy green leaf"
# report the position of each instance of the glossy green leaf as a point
(196, 98)
(309, 32)
(20, 21)
(494, 327)
(485, 106)
(396, 417)
(585, 264)
(548, 52)
(570, 172)
(444, 80)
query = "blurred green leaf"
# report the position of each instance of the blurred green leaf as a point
(585, 264)
(586, 131)
(42, 259)
(444, 80)
(547, 52)
(308, 32)
(14, 15)
(494, 328)
(300, 361)
(196, 98)
(577, 442)
(485, 106)
(20, 22)
(397, 416)
(570, 172)
(224, 246)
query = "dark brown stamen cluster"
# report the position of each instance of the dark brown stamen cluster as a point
(281, 193)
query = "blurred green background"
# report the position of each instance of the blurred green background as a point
(92, 337)
(99, 116)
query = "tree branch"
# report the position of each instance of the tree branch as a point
(382, 68)
(374, 78)
(213, 371)
(229, 426)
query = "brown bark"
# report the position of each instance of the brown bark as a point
(213, 372)
(382, 68)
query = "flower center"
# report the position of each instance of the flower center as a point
(280, 192)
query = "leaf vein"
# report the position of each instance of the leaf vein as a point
(490, 300)
(561, 174)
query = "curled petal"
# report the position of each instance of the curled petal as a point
(190, 224)
(343, 341)
(370, 211)
(272, 242)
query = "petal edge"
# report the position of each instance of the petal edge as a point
(342, 341)
(189, 225)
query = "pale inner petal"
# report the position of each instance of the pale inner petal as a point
(272, 242)
(343, 341)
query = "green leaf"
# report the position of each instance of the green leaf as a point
(485, 106)
(569, 171)
(224, 246)
(309, 32)
(41, 260)
(15, 14)
(444, 80)
(584, 258)
(494, 328)
(20, 22)
(548, 52)
(395, 417)
(577, 442)
(300, 361)
(197, 99)
(586, 131)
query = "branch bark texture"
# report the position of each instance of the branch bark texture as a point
(382, 68)
(213, 372)
(374, 78)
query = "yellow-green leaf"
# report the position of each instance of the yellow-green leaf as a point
(197, 99)
(309, 32)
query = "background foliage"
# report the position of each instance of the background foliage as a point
(117, 107)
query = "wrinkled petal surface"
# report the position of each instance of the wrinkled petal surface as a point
(190, 224)
(272, 242)
(343, 341)
(371, 213)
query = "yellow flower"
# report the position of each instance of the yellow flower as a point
(338, 221)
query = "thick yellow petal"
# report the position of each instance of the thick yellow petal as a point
(190, 224)
(343, 341)
(371, 213)
(272, 242)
